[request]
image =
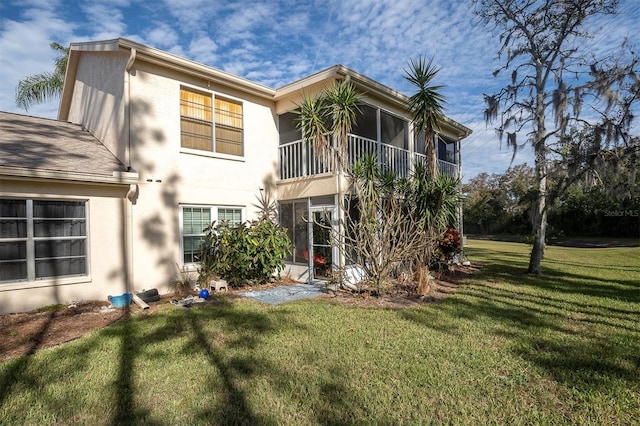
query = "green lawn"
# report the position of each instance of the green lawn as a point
(506, 349)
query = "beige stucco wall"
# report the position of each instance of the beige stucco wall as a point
(106, 212)
(178, 176)
(99, 98)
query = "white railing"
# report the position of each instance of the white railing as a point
(299, 159)
(444, 167)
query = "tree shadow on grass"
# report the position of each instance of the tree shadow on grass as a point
(581, 330)
(595, 281)
(232, 407)
(13, 372)
(140, 340)
(228, 400)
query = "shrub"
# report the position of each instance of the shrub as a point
(449, 244)
(247, 253)
(182, 282)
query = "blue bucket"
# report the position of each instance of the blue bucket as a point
(121, 301)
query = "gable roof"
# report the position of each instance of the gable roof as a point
(32, 147)
(141, 52)
(367, 85)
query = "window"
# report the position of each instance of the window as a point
(289, 131)
(42, 239)
(294, 218)
(394, 130)
(195, 219)
(210, 124)
(230, 216)
(366, 124)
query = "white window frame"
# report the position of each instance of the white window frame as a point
(31, 241)
(213, 153)
(214, 218)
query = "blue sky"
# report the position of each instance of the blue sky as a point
(277, 42)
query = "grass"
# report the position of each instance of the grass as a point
(506, 349)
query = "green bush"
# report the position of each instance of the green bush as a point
(248, 253)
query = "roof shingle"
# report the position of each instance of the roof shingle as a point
(37, 144)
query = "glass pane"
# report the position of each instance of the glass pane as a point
(393, 130)
(13, 228)
(230, 216)
(366, 123)
(196, 105)
(300, 232)
(322, 251)
(60, 267)
(13, 250)
(420, 143)
(58, 209)
(187, 220)
(60, 248)
(287, 128)
(326, 200)
(191, 247)
(13, 271)
(195, 219)
(442, 150)
(13, 208)
(196, 134)
(228, 140)
(59, 228)
(286, 221)
(228, 113)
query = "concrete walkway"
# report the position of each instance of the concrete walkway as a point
(287, 293)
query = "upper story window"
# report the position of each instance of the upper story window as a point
(210, 124)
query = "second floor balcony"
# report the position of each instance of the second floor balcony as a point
(299, 159)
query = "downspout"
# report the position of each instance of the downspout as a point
(133, 191)
(459, 176)
(127, 106)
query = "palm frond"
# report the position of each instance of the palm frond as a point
(42, 87)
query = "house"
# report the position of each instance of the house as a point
(65, 200)
(189, 144)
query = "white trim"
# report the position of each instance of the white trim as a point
(20, 173)
(31, 239)
(213, 153)
(214, 217)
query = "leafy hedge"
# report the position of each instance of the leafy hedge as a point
(247, 253)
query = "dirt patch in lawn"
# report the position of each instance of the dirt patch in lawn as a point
(27, 332)
(404, 296)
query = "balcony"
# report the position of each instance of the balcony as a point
(298, 159)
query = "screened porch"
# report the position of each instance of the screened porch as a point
(376, 131)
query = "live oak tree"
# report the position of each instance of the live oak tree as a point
(553, 77)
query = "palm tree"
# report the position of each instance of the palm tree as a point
(425, 106)
(326, 121)
(42, 87)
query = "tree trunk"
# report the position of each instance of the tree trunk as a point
(431, 154)
(540, 217)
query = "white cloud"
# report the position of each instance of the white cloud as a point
(105, 21)
(37, 31)
(279, 41)
(162, 36)
(203, 49)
